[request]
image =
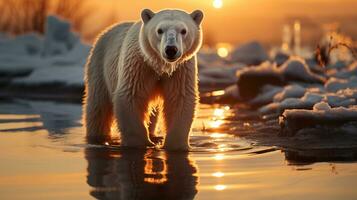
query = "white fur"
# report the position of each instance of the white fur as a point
(125, 76)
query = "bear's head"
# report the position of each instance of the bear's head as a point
(170, 37)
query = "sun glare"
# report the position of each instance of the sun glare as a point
(218, 112)
(218, 156)
(223, 49)
(217, 4)
(220, 187)
(218, 135)
(218, 174)
(216, 123)
(218, 93)
(222, 52)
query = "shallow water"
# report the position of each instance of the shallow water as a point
(44, 156)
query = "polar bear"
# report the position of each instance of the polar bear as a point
(132, 66)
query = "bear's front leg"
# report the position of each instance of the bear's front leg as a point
(180, 100)
(130, 115)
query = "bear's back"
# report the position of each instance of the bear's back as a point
(107, 49)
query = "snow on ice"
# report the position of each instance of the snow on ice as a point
(57, 57)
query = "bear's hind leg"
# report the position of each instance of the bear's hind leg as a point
(98, 115)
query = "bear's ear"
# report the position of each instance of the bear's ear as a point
(146, 15)
(197, 16)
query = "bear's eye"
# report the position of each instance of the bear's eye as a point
(183, 31)
(160, 31)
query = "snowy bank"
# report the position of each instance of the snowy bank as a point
(251, 53)
(31, 60)
(322, 119)
(252, 80)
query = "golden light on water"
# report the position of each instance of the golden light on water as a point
(218, 174)
(219, 157)
(218, 135)
(246, 124)
(156, 176)
(218, 112)
(220, 187)
(217, 4)
(216, 123)
(218, 115)
(218, 93)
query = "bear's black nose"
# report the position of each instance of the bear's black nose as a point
(171, 52)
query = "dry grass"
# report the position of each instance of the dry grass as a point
(323, 53)
(23, 16)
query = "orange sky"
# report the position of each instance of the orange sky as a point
(243, 20)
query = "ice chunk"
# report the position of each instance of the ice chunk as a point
(322, 119)
(336, 100)
(296, 69)
(321, 106)
(206, 57)
(28, 44)
(281, 57)
(343, 98)
(348, 72)
(67, 76)
(290, 91)
(334, 84)
(266, 96)
(58, 37)
(27, 54)
(221, 75)
(77, 56)
(251, 53)
(306, 102)
(252, 79)
(348, 93)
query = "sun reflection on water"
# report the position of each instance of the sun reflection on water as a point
(218, 93)
(216, 123)
(220, 187)
(218, 174)
(218, 135)
(218, 112)
(218, 156)
(217, 118)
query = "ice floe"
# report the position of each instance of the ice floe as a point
(337, 120)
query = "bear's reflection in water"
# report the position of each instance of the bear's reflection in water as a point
(140, 174)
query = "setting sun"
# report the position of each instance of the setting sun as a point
(223, 49)
(217, 3)
(222, 52)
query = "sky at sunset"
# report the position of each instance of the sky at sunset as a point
(238, 21)
(235, 21)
